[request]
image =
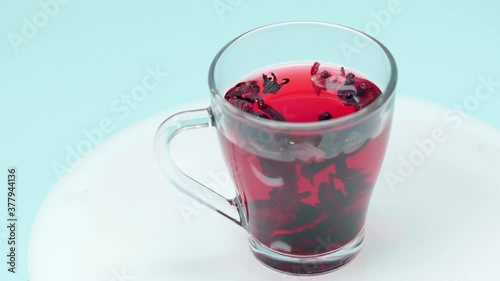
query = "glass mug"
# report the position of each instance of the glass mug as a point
(302, 216)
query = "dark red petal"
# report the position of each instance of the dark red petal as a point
(324, 116)
(314, 68)
(273, 113)
(241, 104)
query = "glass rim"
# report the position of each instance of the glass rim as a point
(334, 122)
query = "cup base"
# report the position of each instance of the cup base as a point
(307, 265)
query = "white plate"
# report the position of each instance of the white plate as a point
(116, 218)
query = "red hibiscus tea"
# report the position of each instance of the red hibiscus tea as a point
(303, 140)
(305, 194)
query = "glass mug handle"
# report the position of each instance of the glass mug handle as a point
(173, 125)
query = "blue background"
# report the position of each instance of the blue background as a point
(76, 65)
